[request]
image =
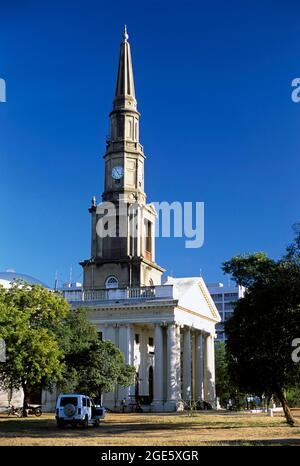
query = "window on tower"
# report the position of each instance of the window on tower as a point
(148, 245)
(120, 127)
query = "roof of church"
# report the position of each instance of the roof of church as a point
(192, 293)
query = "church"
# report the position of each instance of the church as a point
(165, 328)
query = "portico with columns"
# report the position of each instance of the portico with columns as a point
(165, 328)
(170, 345)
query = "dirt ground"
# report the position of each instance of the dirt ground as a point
(204, 428)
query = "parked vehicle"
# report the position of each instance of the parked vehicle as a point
(12, 410)
(34, 409)
(77, 409)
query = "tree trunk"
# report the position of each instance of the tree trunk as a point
(26, 392)
(287, 412)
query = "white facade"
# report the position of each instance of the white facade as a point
(166, 332)
(224, 298)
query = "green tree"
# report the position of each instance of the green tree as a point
(293, 396)
(101, 367)
(225, 388)
(33, 355)
(92, 366)
(47, 343)
(223, 382)
(264, 324)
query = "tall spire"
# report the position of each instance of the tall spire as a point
(125, 34)
(125, 95)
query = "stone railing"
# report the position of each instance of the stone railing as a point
(143, 292)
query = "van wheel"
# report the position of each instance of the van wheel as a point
(85, 423)
(97, 423)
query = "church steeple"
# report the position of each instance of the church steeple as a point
(125, 94)
(124, 154)
(129, 255)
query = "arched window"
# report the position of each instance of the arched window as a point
(111, 282)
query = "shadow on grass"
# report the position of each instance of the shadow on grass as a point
(46, 428)
(256, 443)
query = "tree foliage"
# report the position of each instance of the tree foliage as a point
(225, 388)
(47, 343)
(92, 366)
(33, 355)
(100, 368)
(264, 324)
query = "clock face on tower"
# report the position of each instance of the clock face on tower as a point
(117, 173)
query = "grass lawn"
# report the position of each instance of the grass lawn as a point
(204, 428)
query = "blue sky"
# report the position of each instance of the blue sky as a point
(213, 83)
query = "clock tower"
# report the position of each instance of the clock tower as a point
(126, 257)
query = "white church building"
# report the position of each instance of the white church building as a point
(167, 332)
(165, 328)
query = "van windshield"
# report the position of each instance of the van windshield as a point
(68, 400)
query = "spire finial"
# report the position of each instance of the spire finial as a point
(125, 34)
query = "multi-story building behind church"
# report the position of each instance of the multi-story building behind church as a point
(165, 330)
(224, 298)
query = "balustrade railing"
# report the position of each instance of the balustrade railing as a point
(143, 292)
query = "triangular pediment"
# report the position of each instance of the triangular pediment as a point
(193, 295)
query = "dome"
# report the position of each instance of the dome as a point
(9, 276)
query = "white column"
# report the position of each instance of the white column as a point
(209, 370)
(213, 370)
(172, 368)
(143, 371)
(158, 401)
(126, 345)
(199, 376)
(187, 365)
(180, 406)
(109, 399)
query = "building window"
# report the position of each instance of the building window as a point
(111, 282)
(229, 307)
(231, 296)
(217, 296)
(151, 342)
(137, 338)
(148, 245)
